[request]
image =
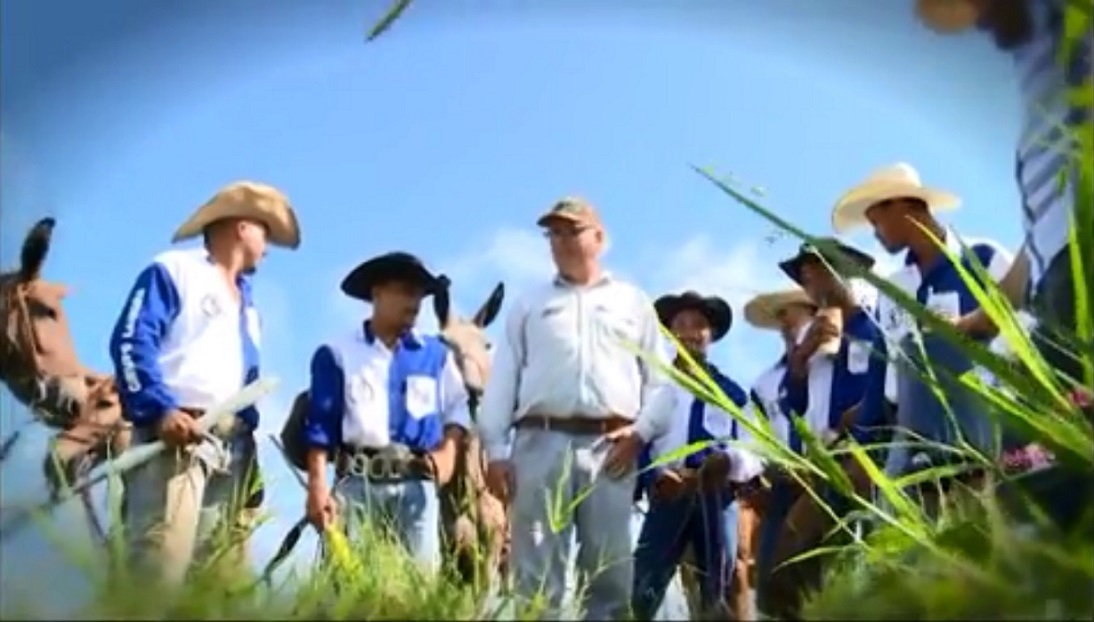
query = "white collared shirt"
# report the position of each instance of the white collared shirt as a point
(897, 323)
(674, 405)
(563, 355)
(766, 388)
(366, 366)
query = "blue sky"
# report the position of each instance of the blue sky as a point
(451, 132)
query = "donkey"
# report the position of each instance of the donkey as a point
(473, 521)
(39, 365)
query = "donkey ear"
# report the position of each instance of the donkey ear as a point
(490, 308)
(441, 302)
(35, 249)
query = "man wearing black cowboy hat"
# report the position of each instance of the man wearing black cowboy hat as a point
(829, 372)
(390, 406)
(692, 503)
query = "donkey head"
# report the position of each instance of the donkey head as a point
(467, 338)
(37, 354)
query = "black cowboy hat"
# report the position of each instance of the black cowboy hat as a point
(717, 311)
(395, 266)
(809, 252)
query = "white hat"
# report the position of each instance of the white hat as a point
(896, 181)
(763, 310)
(246, 199)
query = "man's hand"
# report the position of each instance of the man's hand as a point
(499, 480)
(626, 444)
(715, 470)
(178, 429)
(671, 485)
(443, 459)
(321, 507)
(849, 416)
(821, 330)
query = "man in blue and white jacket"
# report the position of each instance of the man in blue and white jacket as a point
(902, 211)
(186, 340)
(829, 371)
(692, 502)
(388, 405)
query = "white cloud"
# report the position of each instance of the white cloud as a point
(513, 256)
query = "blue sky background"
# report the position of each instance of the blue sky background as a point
(448, 135)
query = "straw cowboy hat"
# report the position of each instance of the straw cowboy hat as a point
(896, 181)
(763, 310)
(808, 252)
(397, 266)
(948, 15)
(714, 309)
(246, 199)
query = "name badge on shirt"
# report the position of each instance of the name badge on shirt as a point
(718, 422)
(945, 304)
(421, 396)
(858, 356)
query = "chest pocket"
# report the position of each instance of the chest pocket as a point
(858, 356)
(616, 325)
(421, 396)
(718, 422)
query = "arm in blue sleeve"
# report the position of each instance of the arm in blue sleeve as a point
(135, 346)
(326, 401)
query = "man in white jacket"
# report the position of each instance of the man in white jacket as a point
(186, 340)
(578, 399)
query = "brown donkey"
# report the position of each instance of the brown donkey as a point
(38, 363)
(474, 522)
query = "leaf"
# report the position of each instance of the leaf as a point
(389, 18)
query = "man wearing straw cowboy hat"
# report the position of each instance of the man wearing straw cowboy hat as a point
(901, 211)
(389, 405)
(692, 503)
(828, 373)
(789, 312)
(187, 339)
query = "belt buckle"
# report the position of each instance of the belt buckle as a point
(383, 467)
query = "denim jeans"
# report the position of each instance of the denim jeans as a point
(409, 510)
(708, 525)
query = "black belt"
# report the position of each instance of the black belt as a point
(384, 465)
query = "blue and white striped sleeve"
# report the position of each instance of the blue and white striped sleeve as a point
(152, 306)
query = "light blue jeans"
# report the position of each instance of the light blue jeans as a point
(561, 498)
(409, 510)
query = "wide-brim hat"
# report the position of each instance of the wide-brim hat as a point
(246, 199)
(714, 309)
(897, 181)
(763, 310)
(397, 266)
(947, 16)
(808, 252)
